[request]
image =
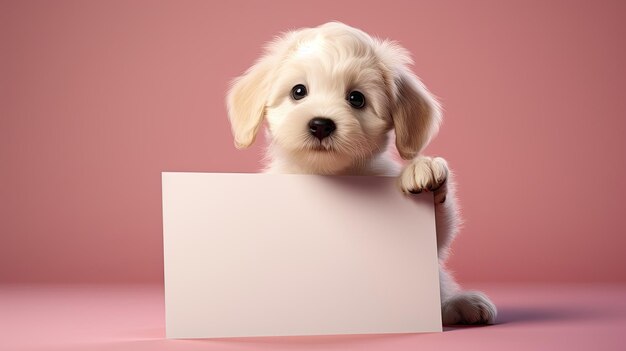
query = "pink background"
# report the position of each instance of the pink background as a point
(97, 98)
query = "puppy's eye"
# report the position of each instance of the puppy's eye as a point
(356, 99)
(298, 92)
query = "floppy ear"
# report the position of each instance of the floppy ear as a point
(415, 112)
(416, 115)
(246, 101)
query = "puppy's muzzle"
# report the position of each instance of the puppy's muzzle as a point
(321, 127)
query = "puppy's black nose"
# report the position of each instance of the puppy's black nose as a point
(321, 127)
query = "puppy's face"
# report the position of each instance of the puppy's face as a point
(330, 95)
(328, 109)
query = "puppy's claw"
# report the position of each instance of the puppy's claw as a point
(441, 183)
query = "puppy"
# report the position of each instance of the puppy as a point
(333, 97)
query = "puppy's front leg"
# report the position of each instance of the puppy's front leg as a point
(457, 306)
(432, 174)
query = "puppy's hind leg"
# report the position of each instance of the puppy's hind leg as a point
(463, 307)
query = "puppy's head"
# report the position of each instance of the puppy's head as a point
(330, 95)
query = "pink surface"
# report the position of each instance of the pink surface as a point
(98, 97)
(131, 317)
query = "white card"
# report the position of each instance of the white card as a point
(276, 255)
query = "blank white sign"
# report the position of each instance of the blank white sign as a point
(272, 255)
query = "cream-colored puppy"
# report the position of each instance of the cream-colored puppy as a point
(331, 96)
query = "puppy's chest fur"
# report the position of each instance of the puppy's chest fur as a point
(380, 165)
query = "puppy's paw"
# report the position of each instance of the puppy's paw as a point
(426, 174)
(469, 307)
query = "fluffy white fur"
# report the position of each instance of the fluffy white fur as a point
(331, 61)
